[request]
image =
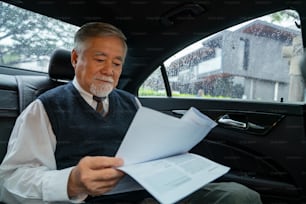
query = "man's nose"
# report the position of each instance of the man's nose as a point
(107, 68)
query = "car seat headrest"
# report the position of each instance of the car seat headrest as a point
(60, 67)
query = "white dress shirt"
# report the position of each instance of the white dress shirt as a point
(28, 171)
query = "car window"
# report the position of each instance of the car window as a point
(256, 60)
(154, 85)
(28, 39)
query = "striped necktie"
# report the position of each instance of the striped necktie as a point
(99, 107)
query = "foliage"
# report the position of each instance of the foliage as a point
(284, 15)
(26, 36)
(150, 92)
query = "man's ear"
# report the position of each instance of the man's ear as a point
(74, 58)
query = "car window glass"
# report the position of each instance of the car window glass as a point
(255, 60)
(28, 39)
(153, 86)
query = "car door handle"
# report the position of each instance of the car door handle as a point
(249, 123)
(225, 120)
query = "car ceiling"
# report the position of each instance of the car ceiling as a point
(157, 29)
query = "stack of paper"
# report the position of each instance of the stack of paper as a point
(155, 153)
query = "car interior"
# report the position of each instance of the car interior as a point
(265, 142)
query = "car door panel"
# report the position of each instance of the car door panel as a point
(269, 155)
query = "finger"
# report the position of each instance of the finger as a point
(100, 187)
(99, 162)
(106, 174)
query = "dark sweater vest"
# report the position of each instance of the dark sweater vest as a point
(80, 130)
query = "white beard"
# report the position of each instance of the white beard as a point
(102, 90)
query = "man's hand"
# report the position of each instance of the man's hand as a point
(94, 176)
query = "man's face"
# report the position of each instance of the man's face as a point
(99, 65)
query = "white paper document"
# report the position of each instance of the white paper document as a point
(155, 153)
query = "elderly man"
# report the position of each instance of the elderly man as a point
(63, 145)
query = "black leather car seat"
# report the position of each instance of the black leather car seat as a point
(17, 92)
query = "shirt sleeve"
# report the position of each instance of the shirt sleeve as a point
(29, 167)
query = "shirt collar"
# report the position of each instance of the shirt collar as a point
(87, 96)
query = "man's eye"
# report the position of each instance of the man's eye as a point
(117, 64)
(100, 60)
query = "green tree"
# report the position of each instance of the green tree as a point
(26, 36)
(284, 15)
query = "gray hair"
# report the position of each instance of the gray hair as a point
(97, 29)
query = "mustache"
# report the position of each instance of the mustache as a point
(104, 78)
